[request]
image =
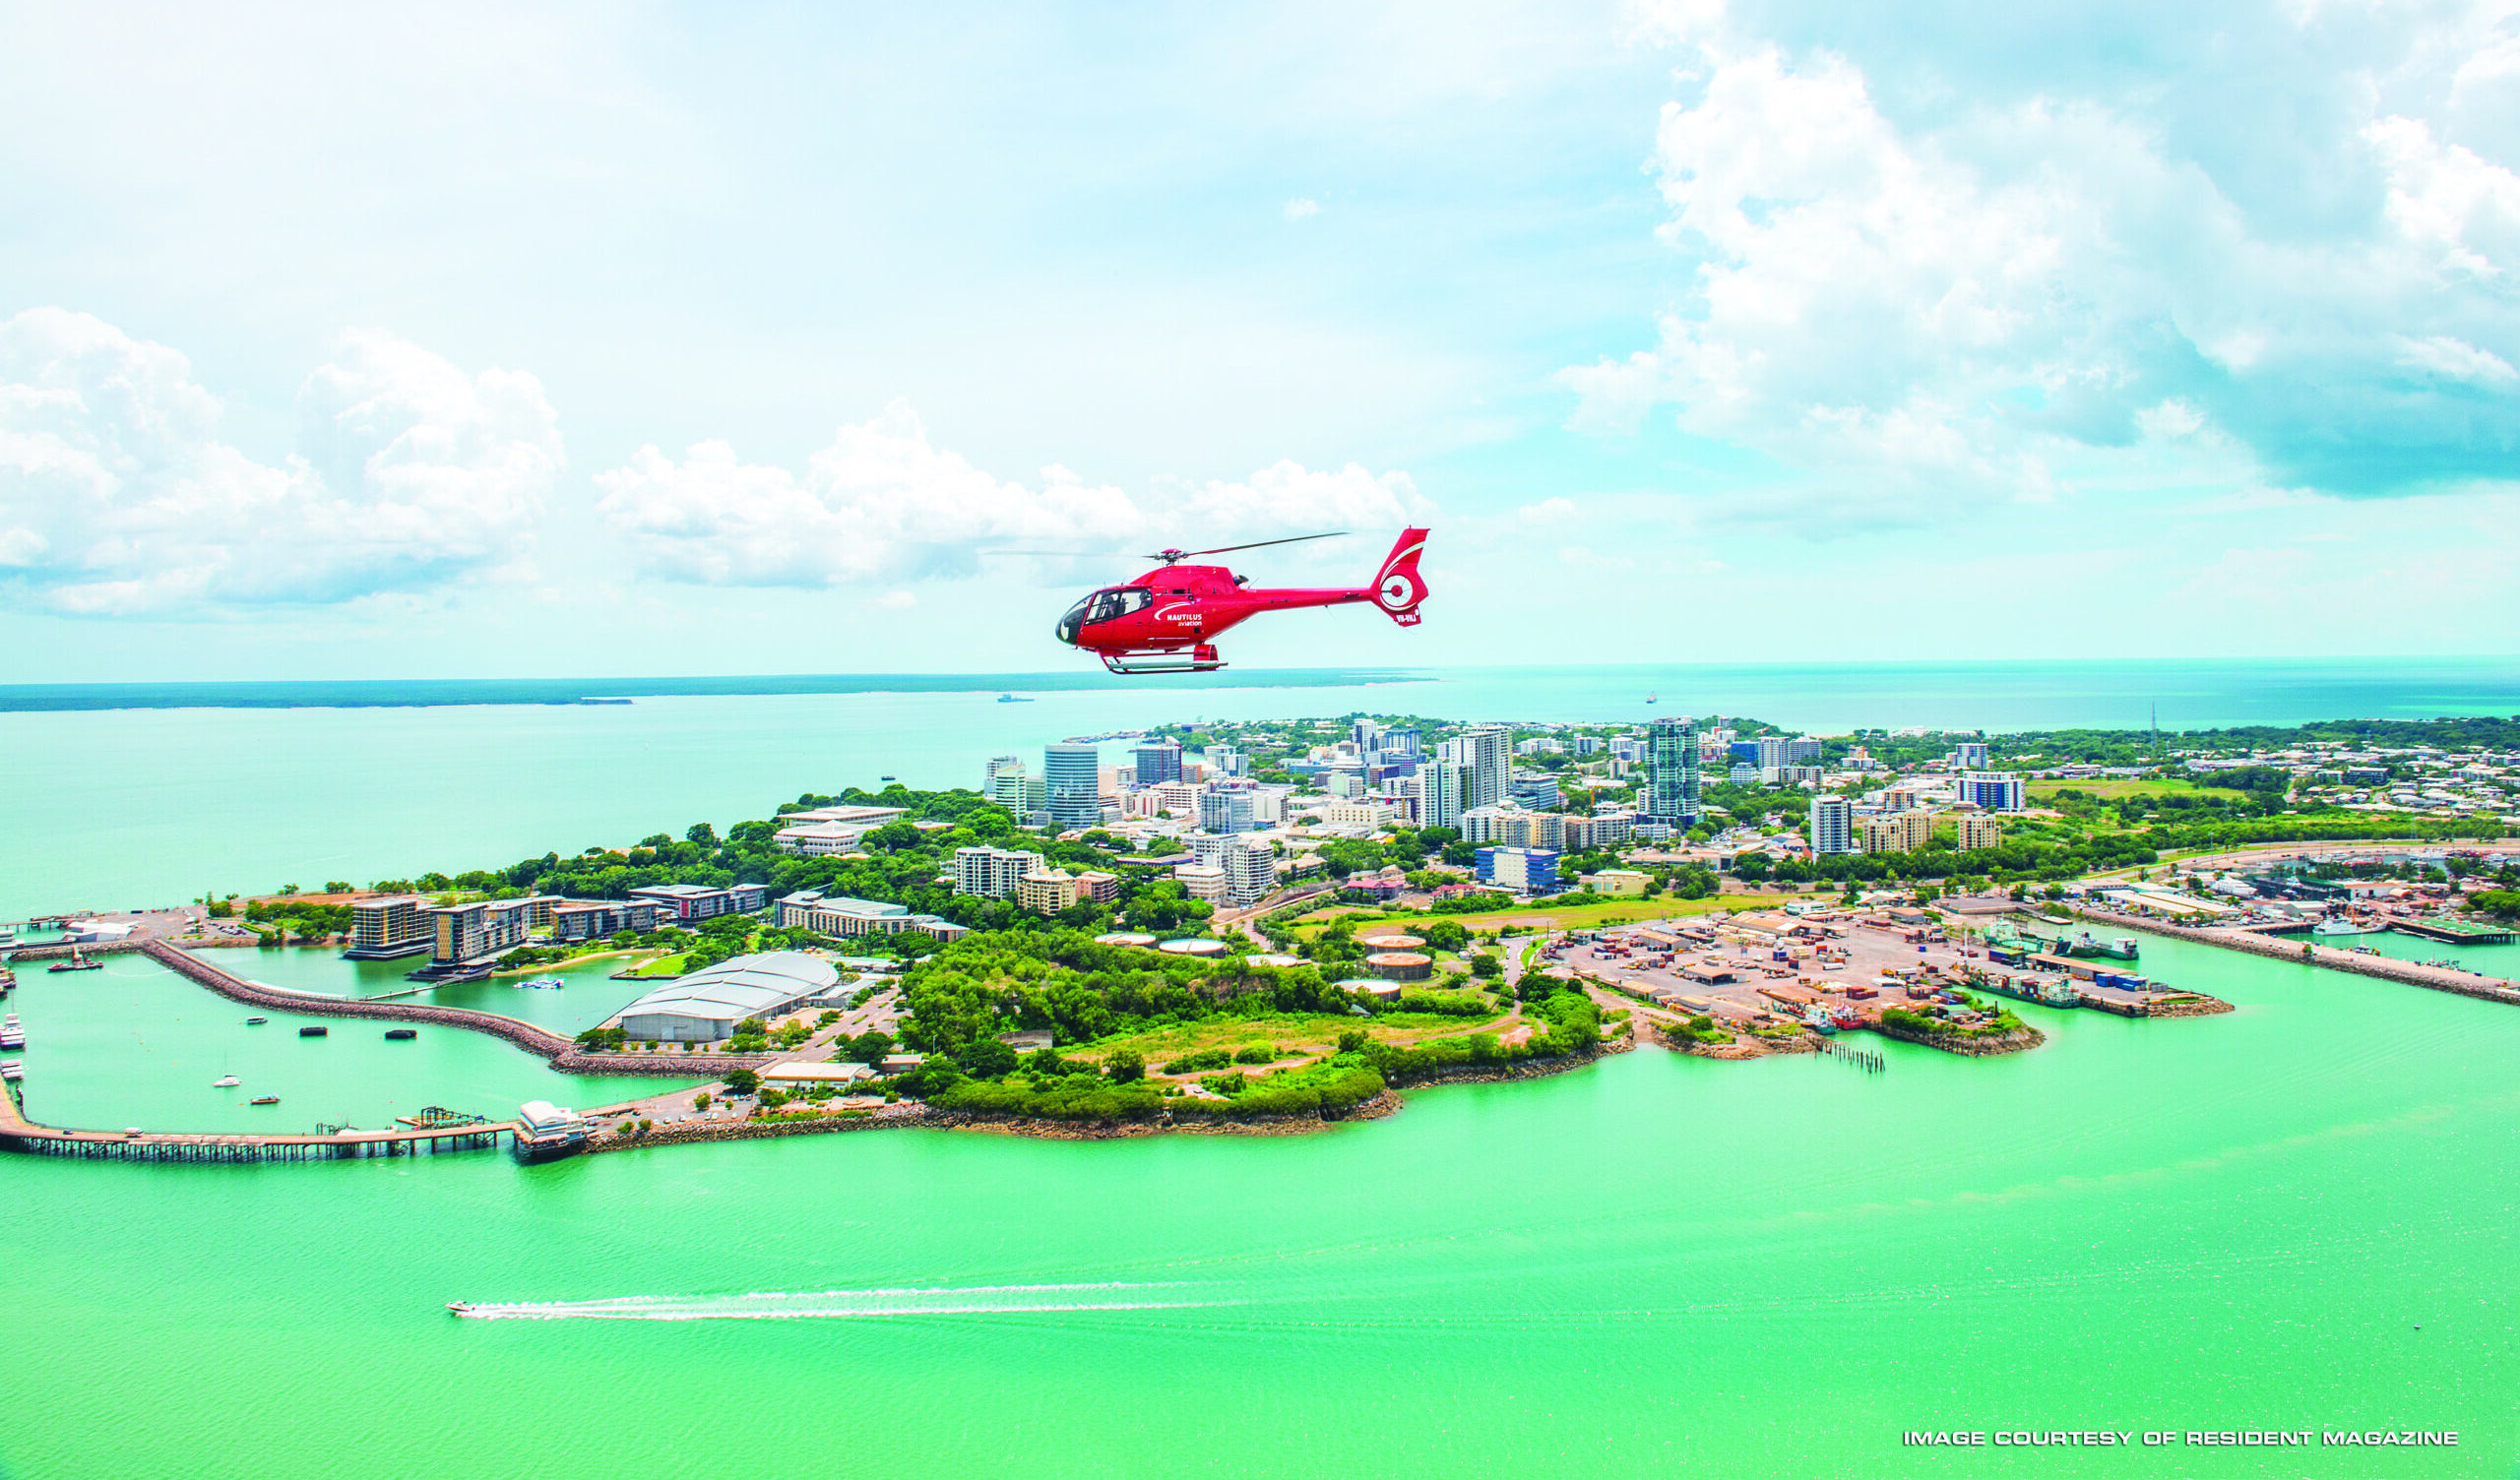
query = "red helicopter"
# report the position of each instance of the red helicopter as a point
(1166, 621)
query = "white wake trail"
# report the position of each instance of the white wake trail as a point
(828, 1305)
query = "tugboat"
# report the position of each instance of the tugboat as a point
(76, 962)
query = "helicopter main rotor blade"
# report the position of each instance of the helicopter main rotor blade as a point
(1256, 544)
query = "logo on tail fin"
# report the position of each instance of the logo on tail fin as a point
(1398, 588)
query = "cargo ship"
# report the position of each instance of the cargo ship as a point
(545, 1132)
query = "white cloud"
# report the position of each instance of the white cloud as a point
(2443, 354)
(1549, 511)
(883, 503)
(1299, 208)
(1958, 302)
(117, 497)
(895, 600)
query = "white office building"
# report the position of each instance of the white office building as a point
(991, 873)
(1995, 790)
(1439, 790)
(1832, 824)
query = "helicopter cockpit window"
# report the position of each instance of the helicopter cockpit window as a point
(1118, 602)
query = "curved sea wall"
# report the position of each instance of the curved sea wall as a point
(562, 1053)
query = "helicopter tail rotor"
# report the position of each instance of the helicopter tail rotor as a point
(1398, 586)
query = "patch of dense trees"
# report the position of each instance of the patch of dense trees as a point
(903, 866)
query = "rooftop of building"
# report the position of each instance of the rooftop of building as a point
(741, 988)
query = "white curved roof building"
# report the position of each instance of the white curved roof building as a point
(705, 1006)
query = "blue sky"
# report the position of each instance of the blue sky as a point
(646, 339)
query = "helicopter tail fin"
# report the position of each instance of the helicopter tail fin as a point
(1398, 588)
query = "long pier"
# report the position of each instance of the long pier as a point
(2412, 973)
(18, 1134)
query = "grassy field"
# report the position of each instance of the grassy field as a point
(1294, 1035)
(2112, 791)
(664, 966)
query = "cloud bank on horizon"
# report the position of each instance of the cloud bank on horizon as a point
(2219, 299)
(2047, 260)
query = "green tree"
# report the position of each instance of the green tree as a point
(742, 1081)
(1125, 1066)
(870, 1047)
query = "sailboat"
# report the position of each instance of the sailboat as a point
(1653, 698)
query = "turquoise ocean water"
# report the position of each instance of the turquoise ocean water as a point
(2299, 1214)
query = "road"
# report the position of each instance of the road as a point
(880, 1013)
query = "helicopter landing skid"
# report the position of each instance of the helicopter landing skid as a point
(1202, 659)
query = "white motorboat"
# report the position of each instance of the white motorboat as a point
(226, 1081)
(2342, 926)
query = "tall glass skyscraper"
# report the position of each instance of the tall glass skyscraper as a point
(1158, 760)
(1074, 774)
(1670, 770)
(1487, 758)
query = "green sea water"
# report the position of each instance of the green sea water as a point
(2297, 1216)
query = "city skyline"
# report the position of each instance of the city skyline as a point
(1661, 316)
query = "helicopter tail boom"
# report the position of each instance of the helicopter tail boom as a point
(1398, 586)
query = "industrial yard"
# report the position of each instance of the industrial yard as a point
(1770, 981)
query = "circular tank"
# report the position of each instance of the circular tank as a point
(1400, 966)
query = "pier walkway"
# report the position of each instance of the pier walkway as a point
(18, 1134)
(2412, 973)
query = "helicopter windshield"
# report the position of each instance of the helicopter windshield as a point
(1103, 606)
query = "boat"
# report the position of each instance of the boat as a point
(12, 1034)
(543, 984)
(268, 1099)
(459, 1308)
(1653, 698)
(399, 1034)
(1013, 699)
(2342, 926)
(256, 1022)
(313, 1033)
(13, 1070)
(76, 962)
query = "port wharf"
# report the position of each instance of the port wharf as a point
(2295, 948)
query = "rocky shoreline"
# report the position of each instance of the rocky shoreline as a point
(1991, 1045)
